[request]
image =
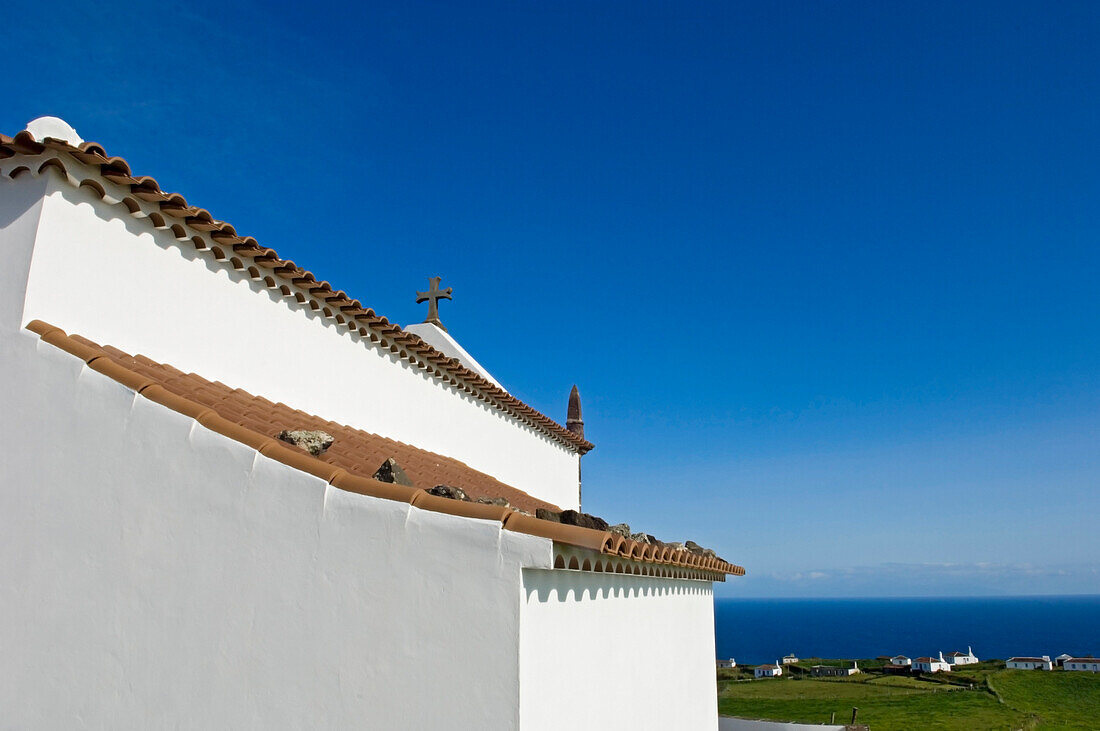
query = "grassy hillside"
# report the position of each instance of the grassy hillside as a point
(980, 697)
(1054, 700)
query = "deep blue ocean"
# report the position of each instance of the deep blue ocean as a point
(754, 631)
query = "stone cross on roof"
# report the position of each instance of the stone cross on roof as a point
(433, 295)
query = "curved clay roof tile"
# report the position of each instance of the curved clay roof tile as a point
(145, 182)
(25, 143)
(53, 143)
(115, 165)
(201, 221)
(53, 162)
(94, 185)
(92, 157)
(92, 148)
(613, 544)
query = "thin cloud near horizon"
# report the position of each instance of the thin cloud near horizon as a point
(897, 579)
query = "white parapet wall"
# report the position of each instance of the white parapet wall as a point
(154, 574)
(615, 651)
(20, 209)
(115, 278)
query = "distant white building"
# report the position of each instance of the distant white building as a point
(962, 658)
(932, 665)
(1061, 659)
(1029, 663)
(768, 671)
(727, 664)
(1083, 664)
(790, 659)
(831, 671)
(900, 660)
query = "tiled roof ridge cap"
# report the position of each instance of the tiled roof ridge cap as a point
(97, 358)
(117, 171)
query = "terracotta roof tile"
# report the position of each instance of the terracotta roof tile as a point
(350, 462)
(356, 451)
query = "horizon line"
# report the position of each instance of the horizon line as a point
(913, 596)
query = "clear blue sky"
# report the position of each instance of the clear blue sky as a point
(825, 272)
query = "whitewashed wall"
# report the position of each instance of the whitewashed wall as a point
(611, 651)
(154, 574)
(121, 282)
(20, 208)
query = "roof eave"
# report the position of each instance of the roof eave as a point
(141, 192)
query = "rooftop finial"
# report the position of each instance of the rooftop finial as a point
(433, 295)
(573, 420)
(54, 127)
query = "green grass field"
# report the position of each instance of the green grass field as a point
(1056, 700)
(980, 697)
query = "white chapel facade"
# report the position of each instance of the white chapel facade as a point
(169, 556)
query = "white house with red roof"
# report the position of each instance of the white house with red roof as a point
(931, 665)
(1082, 664)
(233, 496)
(769, 670)
(1029, 663)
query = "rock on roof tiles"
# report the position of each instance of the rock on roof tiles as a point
(358, 452)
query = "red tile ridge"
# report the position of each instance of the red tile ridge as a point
(117, 170)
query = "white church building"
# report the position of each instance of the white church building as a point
(233, 496)
(961, 658)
